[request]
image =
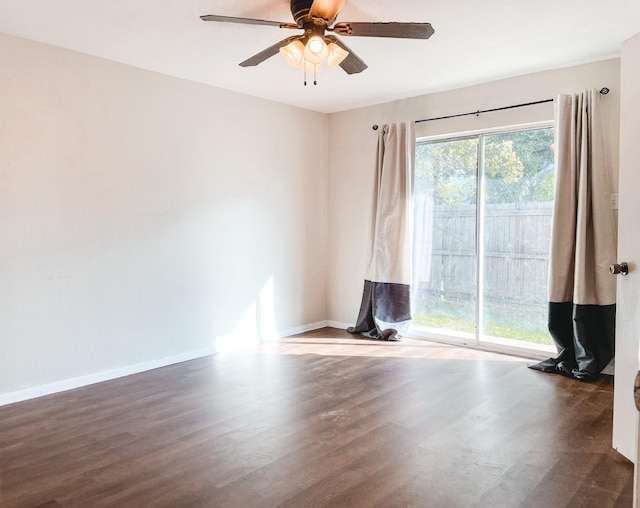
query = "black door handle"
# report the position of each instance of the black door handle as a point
(622, 269)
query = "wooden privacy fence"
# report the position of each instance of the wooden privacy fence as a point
(516, 252)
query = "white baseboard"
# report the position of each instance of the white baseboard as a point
(304, 328)
(337, 324)
(98, 377)
(89, 379)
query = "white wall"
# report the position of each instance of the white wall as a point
(352, 145)
(142, 217)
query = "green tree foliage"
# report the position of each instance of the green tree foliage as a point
(447, 170)
(518, 168)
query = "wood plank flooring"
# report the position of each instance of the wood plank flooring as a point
(320, 419)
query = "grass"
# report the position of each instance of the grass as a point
(509, 322)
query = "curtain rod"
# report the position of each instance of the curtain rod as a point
(603, 91)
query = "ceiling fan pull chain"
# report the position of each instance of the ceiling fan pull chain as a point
(315, 75)
(304, 65)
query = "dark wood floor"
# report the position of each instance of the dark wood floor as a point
(321, 419)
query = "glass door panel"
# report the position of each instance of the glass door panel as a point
(444, 286)
(517, 202)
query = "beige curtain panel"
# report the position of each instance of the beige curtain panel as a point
(583, 243)
(385, 309)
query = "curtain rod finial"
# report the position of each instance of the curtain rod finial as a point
(604, 90)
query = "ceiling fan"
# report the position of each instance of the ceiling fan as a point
(314, 47)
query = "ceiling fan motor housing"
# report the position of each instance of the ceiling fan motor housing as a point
(300, 10)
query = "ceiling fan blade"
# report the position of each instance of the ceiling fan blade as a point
(396, 30)
(267, 53)
(353, 64)
(326, 9)
(247, 21)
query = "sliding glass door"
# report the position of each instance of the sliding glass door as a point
(483, 216)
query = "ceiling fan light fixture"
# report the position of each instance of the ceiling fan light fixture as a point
(316, 50)
(316, 45)
(336, 55)
(293, 53)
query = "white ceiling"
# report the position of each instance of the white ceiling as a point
(474, 42)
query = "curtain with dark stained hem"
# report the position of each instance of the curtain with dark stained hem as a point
(385, 311)
(582, 291)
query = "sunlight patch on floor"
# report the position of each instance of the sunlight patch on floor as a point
(325, 344)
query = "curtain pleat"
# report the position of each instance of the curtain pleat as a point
(583, 244)
(385, 310)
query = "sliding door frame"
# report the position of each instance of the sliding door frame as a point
(529, 350)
